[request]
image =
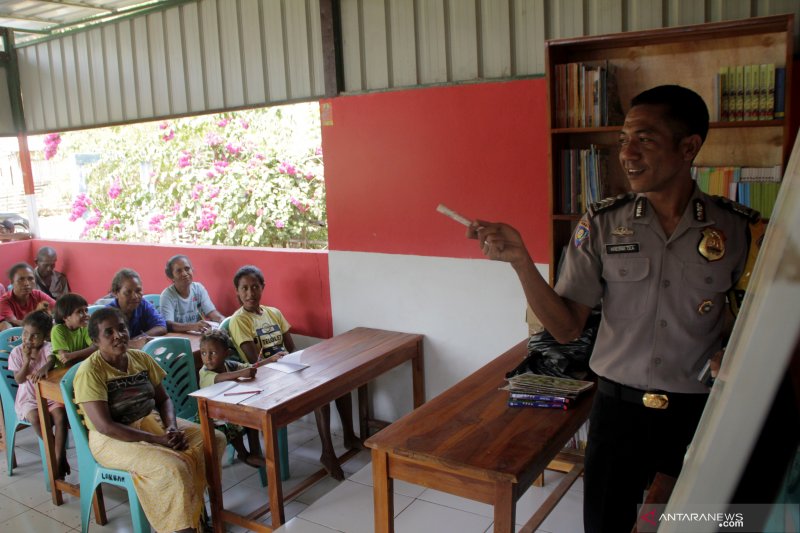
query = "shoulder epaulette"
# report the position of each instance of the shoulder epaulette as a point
(612, 202)
(750, 214)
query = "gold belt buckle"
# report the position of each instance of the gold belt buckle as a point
(654, 400)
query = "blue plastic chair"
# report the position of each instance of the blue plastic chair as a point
(154, 299)
(225, 325)
(9, 339)
(174, 355)
(91, 474)
(93, 308)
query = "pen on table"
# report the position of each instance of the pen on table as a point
(241, 392)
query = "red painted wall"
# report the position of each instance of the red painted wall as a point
(296, 281)
(391, 158)
(13, 252)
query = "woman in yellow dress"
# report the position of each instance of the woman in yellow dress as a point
(132, 426)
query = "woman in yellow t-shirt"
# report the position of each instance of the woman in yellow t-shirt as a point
(132, 426)
(260, 332)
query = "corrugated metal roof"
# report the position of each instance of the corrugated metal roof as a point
(32, 19)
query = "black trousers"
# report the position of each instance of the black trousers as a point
(628, 444)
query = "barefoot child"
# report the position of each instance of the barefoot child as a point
(214, 349)
(30, 361)
(70, 337)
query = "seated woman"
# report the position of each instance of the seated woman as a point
(260, 332)
(185, 304)
(132, 426)
(23, 298)
(143, 319)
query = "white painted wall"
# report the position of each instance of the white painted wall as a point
(469, 310)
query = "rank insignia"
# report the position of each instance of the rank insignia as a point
(640, 208)
(699, 210)
(622, 231)
(705, 306)
(581, 233)
(712, 244)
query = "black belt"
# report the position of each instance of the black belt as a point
(652, 399)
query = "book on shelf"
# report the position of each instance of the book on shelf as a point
(584, 177)
(749, 92)
(586, 95)
(755, 187)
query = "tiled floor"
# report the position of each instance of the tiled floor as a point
(326, 507)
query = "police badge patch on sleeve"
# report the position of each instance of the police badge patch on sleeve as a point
(581, 233)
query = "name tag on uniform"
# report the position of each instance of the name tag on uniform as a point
(626, 248)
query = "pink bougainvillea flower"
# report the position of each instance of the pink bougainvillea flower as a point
(310, 176)
(213, 139)
(79, 206)
(154, 224)
(163, 125)
(243, 123)
(185, 159)
(211, 174)
(176, 207)
(220, 166)
(259, 211)
(110, 223)
(115, 189)
(287, 168)
(223, 122)
(169, 135)
(280, 224)
(213, 192)
(93, 220)
(233, 149)
(207, 218)
(299, 205)
(250, 229)
(196, 191)
(51, 142)
(318, 151)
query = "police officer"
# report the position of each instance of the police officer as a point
(660, 259)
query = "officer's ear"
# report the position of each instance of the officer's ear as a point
(690, 146)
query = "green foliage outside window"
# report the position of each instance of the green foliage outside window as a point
(250, 178)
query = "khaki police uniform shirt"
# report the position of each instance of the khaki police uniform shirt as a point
(663, 302)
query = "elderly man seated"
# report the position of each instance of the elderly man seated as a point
(50, 282)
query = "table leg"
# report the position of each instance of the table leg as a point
(418, 376)
(364, 414)
(46, 422)
(273, 471)
(505, 508)
(213, 474)
(383, 488)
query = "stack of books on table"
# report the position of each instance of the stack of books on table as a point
(546, 392)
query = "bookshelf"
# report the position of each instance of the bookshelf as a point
(690, 56)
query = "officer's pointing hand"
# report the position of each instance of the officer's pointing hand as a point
(499, 241)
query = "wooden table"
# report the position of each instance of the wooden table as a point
(338, 365)
(49, 389)
(468, 442)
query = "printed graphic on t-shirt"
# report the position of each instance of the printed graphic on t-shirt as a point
(270, 338)
(188, 315)
(131, 397)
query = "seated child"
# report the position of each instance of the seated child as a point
(214, 348)
(30, 361)
(70, 337)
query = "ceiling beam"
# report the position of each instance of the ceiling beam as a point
(332, 58)
(74, 3)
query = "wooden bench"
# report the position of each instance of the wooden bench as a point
(468, 442)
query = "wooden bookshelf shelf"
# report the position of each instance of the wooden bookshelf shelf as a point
(689, 56)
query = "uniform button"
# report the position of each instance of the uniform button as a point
(709, 279)
(663, 323)
(665, 283)
(623, 271)
(657, 361)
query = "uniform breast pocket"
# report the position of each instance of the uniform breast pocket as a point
(705, 295)
(627, 286)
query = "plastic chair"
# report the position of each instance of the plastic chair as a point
(93, 308)
(91, 474)
(9, 339)
(154, 299)
(174, 355)
(225, 325)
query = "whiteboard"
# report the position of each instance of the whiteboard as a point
(759, 351)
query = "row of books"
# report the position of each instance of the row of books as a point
(583, 180)
(755, 187)
(586, 95)
(547, 392)
(750, 92)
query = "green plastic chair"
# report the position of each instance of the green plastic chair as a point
(93, 308)
(225, 324)
(174, 355)
(91, 474)
(9, 339)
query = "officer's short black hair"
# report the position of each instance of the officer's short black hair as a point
(683, 108)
